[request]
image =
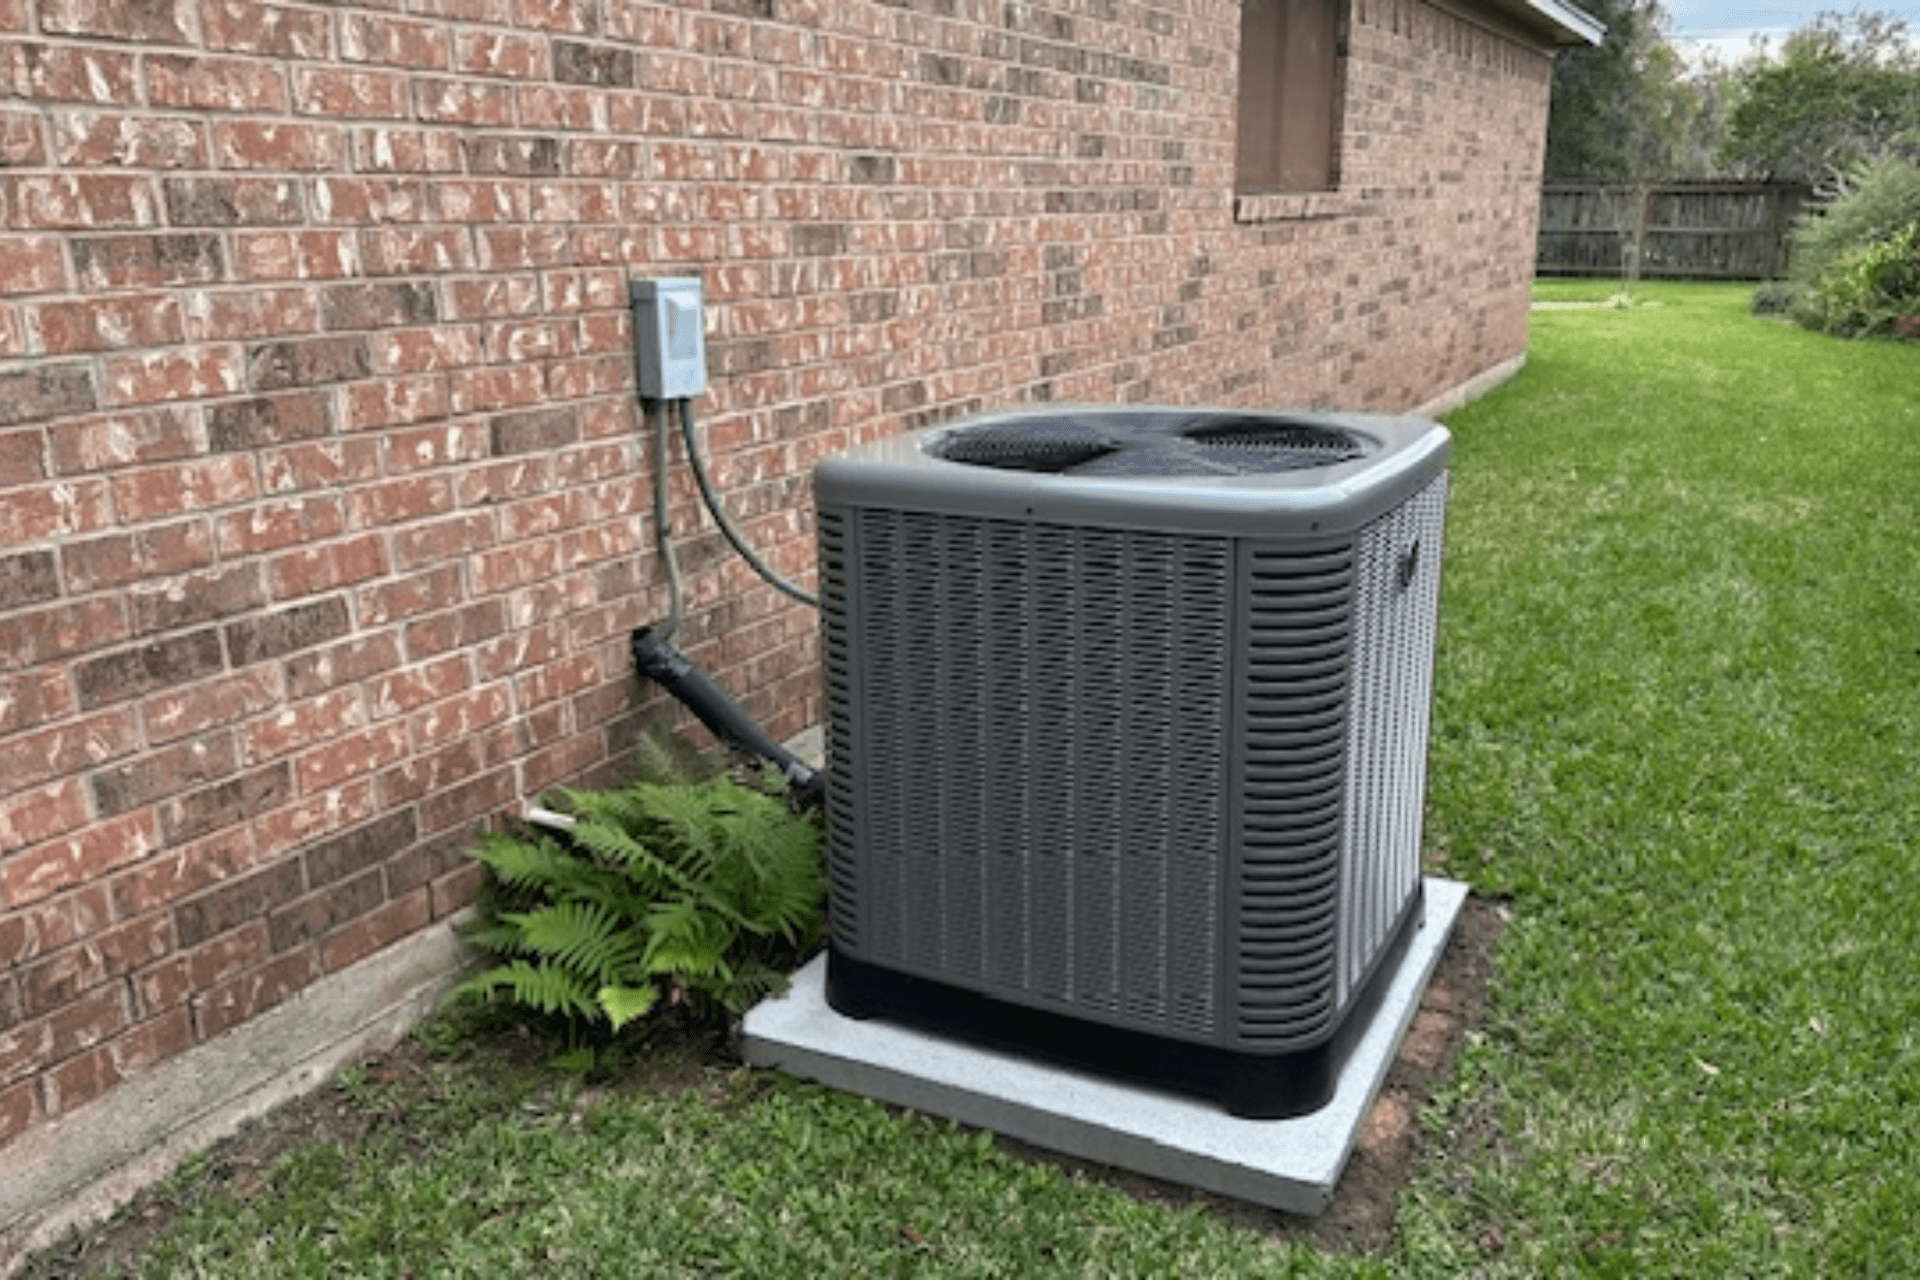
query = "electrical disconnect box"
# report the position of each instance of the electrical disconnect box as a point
(671, 338)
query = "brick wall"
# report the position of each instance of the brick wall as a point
(323, 513)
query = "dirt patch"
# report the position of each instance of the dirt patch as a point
(679, 1056)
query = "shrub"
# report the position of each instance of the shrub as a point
(1867, 291)
(1857, 265)
(1877, 201)
(697, 894)
(1774, 298)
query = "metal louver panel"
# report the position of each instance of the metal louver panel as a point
(1292, 702)
(837, 665)
(1395, 618)
(1043, 712)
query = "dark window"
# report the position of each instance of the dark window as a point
(1289, 91)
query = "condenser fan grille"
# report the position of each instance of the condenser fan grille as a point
(1015, 450)
(1297, 444)
(1211, 444)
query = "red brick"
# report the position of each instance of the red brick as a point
(58, 980)
(60, 921)
(400, 251)
(296, 255)
(455, 891)
(300, 724)
(163, 772)
(461, 717)
(72, 73)
(171, 983)
(498, 53)
(78, 1081)
(270, 526)
(24, 1049)
(225, 804)
(579, 17)
(33, 698)
(479, 390)
(152, 1043)
(417, 686)
(404, 351)
(53, 511)
(417, 46)
(151, 22)
(189, 373)
(23, 457)
(104, 324)
(19, 1110)
(238, 314)
(22, 141)
(341, 94)
(451, 538)
(191, 599)
(252, 994)
(84, 1022)
(29, 639)
(262, 144)
(32, 264)
(233, 202)
(216, 84)
(123, 440)
(242, 26)
(146, 261)
(92, 139)
(434, 589)
(82, 201)
(376, 930)
(456, 629)
(318, 914)
(357, 660)
(359, 201)
(381, 149)
(395, 402)
(495, 297)
(158, 492)
(314, 570)
(74, 859)
(173, 714)
(74, 747)
(465, 102)
(351, 756)
(310, 817)
(181, 872)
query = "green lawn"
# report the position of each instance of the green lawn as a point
(1676, 720)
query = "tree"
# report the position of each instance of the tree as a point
(1843, 92)
(1622, 111)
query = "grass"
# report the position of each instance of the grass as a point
(1675, 728)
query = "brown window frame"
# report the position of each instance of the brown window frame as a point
(1292, 76)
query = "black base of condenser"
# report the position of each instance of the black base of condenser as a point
(1253, 1086)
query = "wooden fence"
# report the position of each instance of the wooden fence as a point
(1687, 230)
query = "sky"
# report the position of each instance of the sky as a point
(1729, 25)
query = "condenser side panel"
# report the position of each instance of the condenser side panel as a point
(1040, 730)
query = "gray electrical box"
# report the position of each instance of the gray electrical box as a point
(670, 332)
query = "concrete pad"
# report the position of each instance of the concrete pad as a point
(1292, 1165)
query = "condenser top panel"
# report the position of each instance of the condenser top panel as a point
(1229, 471)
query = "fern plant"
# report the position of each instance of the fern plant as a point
(699, 894)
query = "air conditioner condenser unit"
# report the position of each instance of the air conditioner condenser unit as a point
(1127, 715)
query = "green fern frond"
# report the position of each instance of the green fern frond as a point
(583, 936)
(540, 986)
(530, 862)
(623, 1004)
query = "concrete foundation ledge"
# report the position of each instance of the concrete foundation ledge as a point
(78, 1169)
